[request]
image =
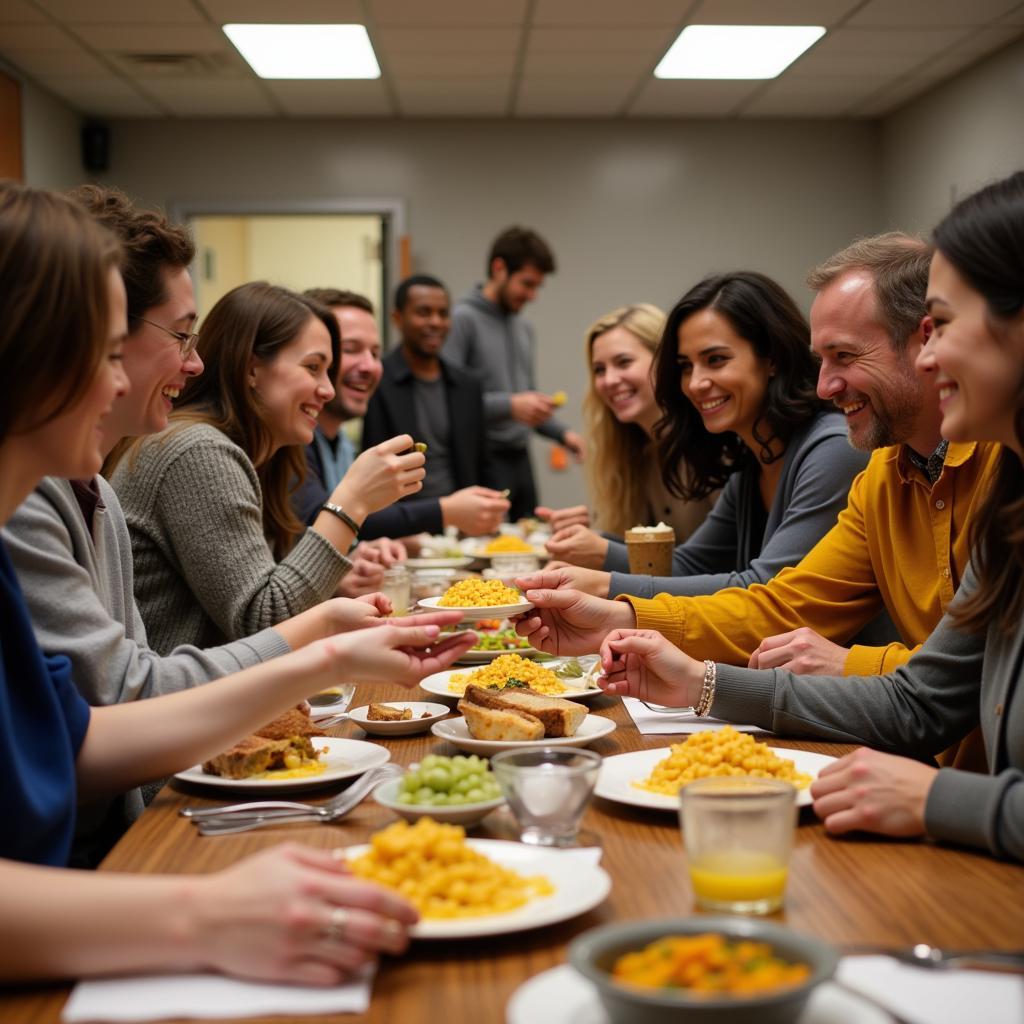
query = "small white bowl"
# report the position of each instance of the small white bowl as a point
(411, 725)
(386, 794)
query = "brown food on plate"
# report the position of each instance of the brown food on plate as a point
(257, 754)
(558, 716)
(503, 725)
(294, 722)
(382, 713)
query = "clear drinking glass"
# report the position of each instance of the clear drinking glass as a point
(547, 789)
(334, 699)
(396, 585)
(738, 834)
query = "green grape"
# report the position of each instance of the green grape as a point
(448, 781)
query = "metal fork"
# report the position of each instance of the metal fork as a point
(660, 709)
(221, 821)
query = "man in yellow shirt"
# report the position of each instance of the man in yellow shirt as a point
(901, 544)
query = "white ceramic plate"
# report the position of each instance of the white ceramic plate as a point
(437, 684)
(483, 657)
(413, 725)
(561, 996)
(345, 760)
(501, 611)
(386, 794)
(619, 772)
(579, 886)
(475, 549)
(455, 732)
(454, 562)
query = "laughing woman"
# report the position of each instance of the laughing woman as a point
(219, 553)
(289, 913)
(969, 671)
(622, 467)
(735, 379)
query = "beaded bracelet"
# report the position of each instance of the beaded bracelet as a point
(707, 693)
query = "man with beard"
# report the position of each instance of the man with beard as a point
(473, 510)
(490, 336)
(424, 395)
(900, 546)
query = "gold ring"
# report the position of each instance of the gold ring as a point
(338, 925)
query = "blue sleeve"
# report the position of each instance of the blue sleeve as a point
(76, 710)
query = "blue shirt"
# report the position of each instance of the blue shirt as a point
(43, 722)
(334, 458)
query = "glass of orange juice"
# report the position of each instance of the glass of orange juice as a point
(738, 834)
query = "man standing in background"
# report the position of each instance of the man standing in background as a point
(489, 335)
(424, 395)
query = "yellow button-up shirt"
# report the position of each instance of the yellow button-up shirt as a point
(900, 544)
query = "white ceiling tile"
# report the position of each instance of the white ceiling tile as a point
(810, 97)
(18, 38)
(451, 65)
(15, 11)
(210, 97)
(693, 98)
(937, 13)
(548, 96)
(315, 12)
(589, 64)
(474, 97)
(338, 99)
(445, 40)
(655, 39)
(115, 12)
(447, 12)
(101, 96)
(134, 38)
(609, 12)
(771, 12)
(60, 62)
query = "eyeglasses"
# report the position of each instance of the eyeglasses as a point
(186, 342)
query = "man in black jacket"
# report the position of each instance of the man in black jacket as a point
(441, 404)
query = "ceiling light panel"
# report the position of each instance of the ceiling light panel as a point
(305, 51)
(736, 51)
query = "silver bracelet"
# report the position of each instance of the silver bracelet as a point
(707, 693)
(337, 510)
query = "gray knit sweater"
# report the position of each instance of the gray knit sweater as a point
(955, 681)
(78, 588)
(204, 572)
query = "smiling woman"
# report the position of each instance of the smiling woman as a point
(218, 551)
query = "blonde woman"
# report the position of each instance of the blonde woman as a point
(620, 410)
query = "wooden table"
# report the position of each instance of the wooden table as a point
(848, 891)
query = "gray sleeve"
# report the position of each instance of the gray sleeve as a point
(552, 428)
(222, 553)
(986, 811)
(69, 618)
(919, 710)
(819, 493)
(459, 347)
(616, 561)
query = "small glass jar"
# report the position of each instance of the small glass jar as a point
(396, 586)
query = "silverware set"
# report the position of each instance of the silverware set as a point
(221, 821)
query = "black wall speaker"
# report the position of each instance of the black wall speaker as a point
(95, 146)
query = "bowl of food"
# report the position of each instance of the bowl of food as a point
(399, 717)
(706, 970)
(458, 790)
(479, 599)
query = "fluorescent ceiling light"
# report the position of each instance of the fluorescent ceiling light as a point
(736, 51)
(306, 51)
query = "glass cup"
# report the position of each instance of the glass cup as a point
(396, 586)
(738, 834)
(334, 699)
(548, 789)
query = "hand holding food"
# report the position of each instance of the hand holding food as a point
(474, 510)
(380, 476)
(531, 407)
(566, 621)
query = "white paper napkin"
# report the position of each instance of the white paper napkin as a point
(656, 723)
(928, 996)
(208, 996)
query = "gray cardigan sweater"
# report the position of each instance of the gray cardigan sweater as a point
(734, 546)
(955, 681)
(204, 572)
(498, 347)
(78, 588)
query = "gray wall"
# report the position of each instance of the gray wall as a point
(957, 137)
(50, 140)
(635, 212)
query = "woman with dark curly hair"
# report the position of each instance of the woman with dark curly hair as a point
(735, 379)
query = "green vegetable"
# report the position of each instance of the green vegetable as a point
(448, 781)
(515, 683)
(572, 669)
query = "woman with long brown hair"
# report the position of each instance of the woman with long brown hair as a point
(969, 671)
(620, 411)
(219, 552)
(290, 913)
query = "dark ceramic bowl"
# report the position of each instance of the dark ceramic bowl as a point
(594, 953)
